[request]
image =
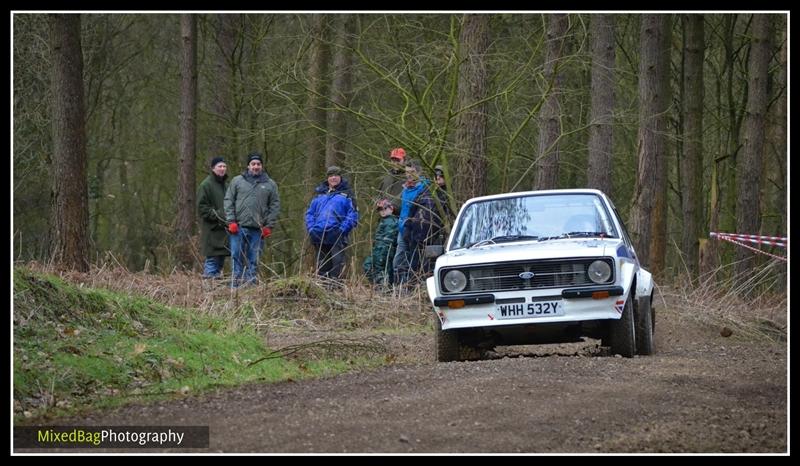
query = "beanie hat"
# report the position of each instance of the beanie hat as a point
(414, 163)
(398, 153)
(438, 170)
(216, 160)
(334, 170)
(254, 156)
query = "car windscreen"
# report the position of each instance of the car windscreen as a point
(533, 217)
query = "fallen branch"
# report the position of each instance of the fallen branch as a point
(370, 344)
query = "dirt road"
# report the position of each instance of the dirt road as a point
(701, 392)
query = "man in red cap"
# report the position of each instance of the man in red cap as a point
(392, 184)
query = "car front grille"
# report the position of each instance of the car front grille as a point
(560, 273)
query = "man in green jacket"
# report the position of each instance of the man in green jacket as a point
(251, 210)
(213, 238)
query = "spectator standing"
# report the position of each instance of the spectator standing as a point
(392, 183)
(210, 206)
(442, 216)
(378, 265)
(252, 206)
(330, 218)
(445, 216)
(414, 224)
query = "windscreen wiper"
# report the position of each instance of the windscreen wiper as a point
(502, 239)
(576, 234)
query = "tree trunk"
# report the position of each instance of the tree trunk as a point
(188, 137)
(748, 166)
(658, 245)
(602, 118)
(775, 171)
(550, 116)
(470, 154)
(779, 163)
(317, 70)
(736, 110)
(649, 192)
(773, 198)
(340, 91)
(721, 189)
(70, 197)
(692, 161)
(223, 142)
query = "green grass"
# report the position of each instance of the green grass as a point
(77, 348)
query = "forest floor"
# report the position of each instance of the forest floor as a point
(700, 392)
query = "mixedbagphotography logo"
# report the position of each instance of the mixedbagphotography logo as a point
(111, 437)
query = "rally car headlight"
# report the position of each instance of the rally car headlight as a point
(599, 271)
(455, 281)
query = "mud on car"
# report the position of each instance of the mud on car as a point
(540, 267)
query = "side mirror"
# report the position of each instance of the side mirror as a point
(434, 250)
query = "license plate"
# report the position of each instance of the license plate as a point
(527, 310)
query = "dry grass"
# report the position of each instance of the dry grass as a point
(296, 302)
(755, 307)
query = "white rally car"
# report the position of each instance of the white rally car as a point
(540, 267)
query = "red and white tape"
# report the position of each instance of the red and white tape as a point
(779, 241)
(769, 240)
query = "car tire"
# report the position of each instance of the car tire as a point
(653, 315)
(622, 332)
(448, 348)
(645, 343)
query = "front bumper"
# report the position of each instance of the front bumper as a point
(595, 292)
(483, 310)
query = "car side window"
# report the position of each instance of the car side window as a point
(625, 236)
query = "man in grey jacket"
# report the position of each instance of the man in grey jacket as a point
(251, 210)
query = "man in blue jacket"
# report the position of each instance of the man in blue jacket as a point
(414, 224)
(330, 218)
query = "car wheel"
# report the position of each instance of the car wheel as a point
(622, 332)
(653, 315)
(645, 344)
(448, 347)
